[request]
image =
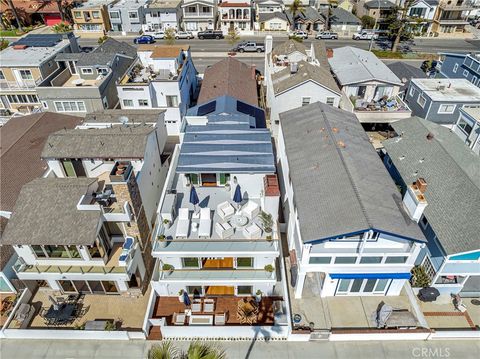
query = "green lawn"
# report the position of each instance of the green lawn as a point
(8, 33)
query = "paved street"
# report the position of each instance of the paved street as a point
(65, 349)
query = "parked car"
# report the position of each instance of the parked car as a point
(299, 33)
(144, 39)
(365, 35)
(210, 34)
(249, 46)
(157, 35)
(327, 35)
(184, 35)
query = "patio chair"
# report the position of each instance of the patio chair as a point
(183, 223)
(179, 318)
(251, 210)
(208, 306)
(252, 231)
(205, 227)
(225, 210)
(197, 306)
(220, 319)
(224, 230)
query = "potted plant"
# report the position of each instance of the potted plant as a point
(267, 221)
(420, 278)
(162, 240)
(258, 296)
(180, 295)
(269, 268)
(168, 268)
(166, 223)
(269, 238)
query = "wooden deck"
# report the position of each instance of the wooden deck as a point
(166, 306)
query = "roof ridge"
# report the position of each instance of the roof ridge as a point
(349, 175)
(23, 134)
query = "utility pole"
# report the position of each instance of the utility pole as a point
(374, 27)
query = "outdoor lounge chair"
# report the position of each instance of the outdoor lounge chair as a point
(252, 231)
(225, 210)
(251, 210)
(179, 318)
(220, 319)
(224, 230)
(208, 306)
(183, 223)
(205, 227)
(197, 306)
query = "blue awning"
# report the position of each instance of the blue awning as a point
(370, 275)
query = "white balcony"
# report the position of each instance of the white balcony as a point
(15, 86)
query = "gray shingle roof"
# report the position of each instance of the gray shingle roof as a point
(452, 173)
(265, 16)
(383, 4)
(289, 47)
(309, 14)
(339, 181)
(115, 116)
(112, 142)
(406, 72)
(352, 65)
(341, 16)
(106, 52)
(46, 213)
(284, 79)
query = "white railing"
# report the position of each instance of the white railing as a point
(14, 85)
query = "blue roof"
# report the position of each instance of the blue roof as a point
(229, 142)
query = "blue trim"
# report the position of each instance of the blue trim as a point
(320, 240)
(370, 275)
(400, 236)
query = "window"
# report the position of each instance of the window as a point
(194, 290)
(2, 76)
(381, 285)
(39, 253)
(114, 15)
(25, 74)
(128, 103)
(205, 9)
(421, 101)
(224, 178)
(154, 14)
(128, 89)
(330, 101)
(45, 105)
(396, 260)
(190, 263)
(143, 103)
(77, 14)
(70, 106)
(473, 80)
(172, 101)
(87, 71)
(465, 73)
(96, 14)
(244, 290)
(345, 260)
(102, 70)
(192, 9)
(428, 266)
(455, 68)
(305, 101)
(446, 109)
(464, 126)
(412, 91)
(424, 222)
(22, 98)
(370, 260)
(244, 262)
(133, 15)
(320, 260)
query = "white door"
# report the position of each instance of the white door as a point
(361, 286)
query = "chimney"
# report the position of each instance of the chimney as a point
(253, 72)
(293, 67)
(268, 44)
(414, 200)
(19, 47)
(329, 53)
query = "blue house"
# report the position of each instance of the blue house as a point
(460, 66)
(440, 181)
(440, 100)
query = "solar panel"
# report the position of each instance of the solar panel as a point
(39, 40)
(207, 108)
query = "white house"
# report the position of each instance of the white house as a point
(199, 15)
(344, 225)
(220, 252)
(271, 21)
(370, 88)
(296, 76)
(235, 14)
(163, 77)
(268, 6)
(161, 15)
(423, 10)
(468, 128)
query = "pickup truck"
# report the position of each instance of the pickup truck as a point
(365, 35)
(210, 34)
(327, 35)
(299, 34)
(249, 47)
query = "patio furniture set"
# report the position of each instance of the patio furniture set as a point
(201, 312)
(247, 311)
(231, 220)
(380, 105)
(64, 311)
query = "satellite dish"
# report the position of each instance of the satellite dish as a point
(123, 120)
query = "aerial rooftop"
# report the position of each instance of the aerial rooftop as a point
(93, 4)
(452, 173)
(336, 173)
(473, 112)
(448, 89)
(120, 117)
(128, 4)
(164, 4)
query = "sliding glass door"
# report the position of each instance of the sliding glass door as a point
(361, 286)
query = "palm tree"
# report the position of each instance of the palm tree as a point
(166, 350)
(203, 350)
(296, 7)
(14, 12)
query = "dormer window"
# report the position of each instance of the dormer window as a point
(102, 70)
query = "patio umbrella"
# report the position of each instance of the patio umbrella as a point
(186, 299)
(194, 198)
(237, 196)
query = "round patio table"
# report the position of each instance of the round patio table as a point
(239, 220)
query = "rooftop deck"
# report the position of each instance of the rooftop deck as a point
(77, 81)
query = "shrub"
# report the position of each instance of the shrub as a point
(102, 39)
(167, 267)
(269, 268)
(3, 44)
(420, 278)
(61, 27)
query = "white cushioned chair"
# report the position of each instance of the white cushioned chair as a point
(225, 210)
(224, 230)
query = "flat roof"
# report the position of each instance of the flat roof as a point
(340, 183)
(31, 55)
(473, 112)
(117, 116)
(128, 4)
(449, 90)
(46, 214)
(92, 4)
(164, 4)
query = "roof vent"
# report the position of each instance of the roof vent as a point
(430, 136)
(293, 68)
(123, 120)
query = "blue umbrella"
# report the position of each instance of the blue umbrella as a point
(186, 299)
(194, 197)
(237, 196)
